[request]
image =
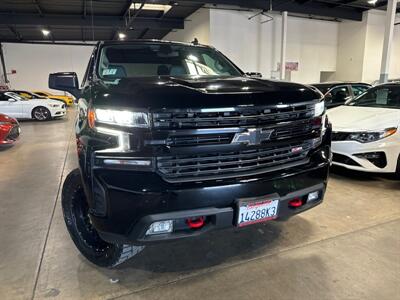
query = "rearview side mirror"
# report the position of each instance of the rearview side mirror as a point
(254, 74)
(65, 81)
(12, 100)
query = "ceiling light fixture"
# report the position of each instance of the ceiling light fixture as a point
(149, 6)
(45, 32)
(372, 2)
(121, 35)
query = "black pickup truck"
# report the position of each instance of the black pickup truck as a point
(174, 140)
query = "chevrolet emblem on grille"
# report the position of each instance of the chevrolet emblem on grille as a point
(252, 136)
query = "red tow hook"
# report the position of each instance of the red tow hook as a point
(296, 202)
(195, 223)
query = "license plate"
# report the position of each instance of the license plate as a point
(251, 212)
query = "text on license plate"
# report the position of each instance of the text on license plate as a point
(257, 211)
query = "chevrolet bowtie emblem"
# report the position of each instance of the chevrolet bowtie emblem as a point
(252, 136)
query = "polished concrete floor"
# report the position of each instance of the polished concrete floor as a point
(347, 248)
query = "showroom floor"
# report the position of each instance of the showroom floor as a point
(347, 248)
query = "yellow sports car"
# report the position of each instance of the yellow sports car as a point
(67, 99)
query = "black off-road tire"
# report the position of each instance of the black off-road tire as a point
(41, 113)
(83, 234)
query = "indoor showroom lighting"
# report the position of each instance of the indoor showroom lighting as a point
(45, 32)
(149, 6)
(121, 35)
(373, 2)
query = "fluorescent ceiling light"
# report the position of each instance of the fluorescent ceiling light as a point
(45, 32)
(149, 6)
(373, 2)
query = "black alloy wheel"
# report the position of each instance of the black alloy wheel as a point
(82, 232)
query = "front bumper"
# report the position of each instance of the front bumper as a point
(125, 203)
(57, 112)
(9, 133)
(347, 154)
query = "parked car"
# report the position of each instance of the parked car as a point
(66, 99)
(9, 130)
(174, 140)
(337, 93)
(27, 95)
(394, 80)
(366, 133)
(19, 107)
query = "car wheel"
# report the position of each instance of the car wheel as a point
(41, 113)
(82, 232)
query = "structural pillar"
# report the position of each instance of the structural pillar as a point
(388, 39)
(3, 64)
(283, 45)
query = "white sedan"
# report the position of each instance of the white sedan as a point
(366, 134)
(21, 108)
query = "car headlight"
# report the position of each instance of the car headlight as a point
(319, 108)
(122, 118)
(367, 137)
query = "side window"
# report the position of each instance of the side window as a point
(3, 97)
(359, 89)
(340, 94)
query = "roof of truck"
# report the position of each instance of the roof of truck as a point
(151, 41)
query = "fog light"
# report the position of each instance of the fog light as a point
(312, 197)
(160, 227)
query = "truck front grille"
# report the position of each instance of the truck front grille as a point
(306, 129)
(212, 166)
(242, 116)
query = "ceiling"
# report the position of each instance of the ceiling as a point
(88, 20)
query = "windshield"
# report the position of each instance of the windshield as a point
(119, 61)
(15, 96)
(381, 96)
(323, 88)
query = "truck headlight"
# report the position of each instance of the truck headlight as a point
(319, 108)
(367, 137)
(122, 118)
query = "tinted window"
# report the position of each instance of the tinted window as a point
(3, 97)
(340, 94)
(15, 96)
(382, 96)
(118, 61)
(359, 89)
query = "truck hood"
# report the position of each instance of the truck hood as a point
(200, 92)
(357, 118)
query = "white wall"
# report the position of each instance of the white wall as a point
(256, 47)
(197, 25)
(34, 63)
(360, 48)
(350, 54)
(375, 31)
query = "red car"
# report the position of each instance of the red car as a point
(9, 130)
